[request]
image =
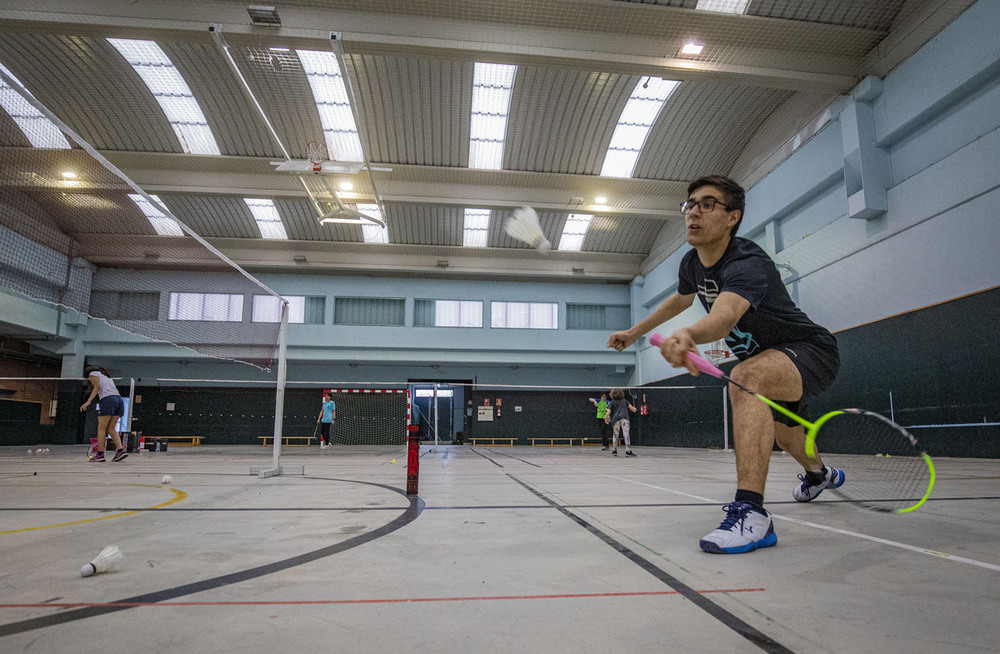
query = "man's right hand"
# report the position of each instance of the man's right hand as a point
(621, 340)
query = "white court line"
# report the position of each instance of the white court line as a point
(843, 532)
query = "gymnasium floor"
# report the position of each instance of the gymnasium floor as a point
(506, 550)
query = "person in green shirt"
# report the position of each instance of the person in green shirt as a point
(602, 423)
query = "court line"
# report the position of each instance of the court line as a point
(843, 532)
(744, 629)
(63, 605)
(408, 515)
(179, 496)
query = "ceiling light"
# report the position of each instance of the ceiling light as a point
(346, 186)
(68, 174)
(263, 16)
(278, 49)
(600, 199)
(691, 49)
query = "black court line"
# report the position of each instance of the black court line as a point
(509, 456)
(756, 637)
(411, 513)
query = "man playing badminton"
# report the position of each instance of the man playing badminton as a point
(783, 354)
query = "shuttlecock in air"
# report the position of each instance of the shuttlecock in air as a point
(106, 560)
(524, 226)
(166, 479)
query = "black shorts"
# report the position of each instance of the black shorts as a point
(324, 431)
(817, 362)
(111, 405)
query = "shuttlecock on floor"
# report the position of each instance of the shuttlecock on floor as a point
(392, 461)
(524, 226)
(166, 479)
(106, 560)
(31, 451)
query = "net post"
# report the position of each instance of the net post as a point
(412, 458)
(279, 401)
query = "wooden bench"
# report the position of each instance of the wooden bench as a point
(552, 442)
(285, 440)
(506, 441)
(189, 441)
(598, 441)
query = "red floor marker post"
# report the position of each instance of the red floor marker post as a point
(412, 459)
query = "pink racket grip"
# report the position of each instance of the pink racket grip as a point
(699, 363)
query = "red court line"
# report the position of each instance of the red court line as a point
(62, 605)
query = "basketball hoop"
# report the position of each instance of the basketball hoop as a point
(317, 153)
(718, 356)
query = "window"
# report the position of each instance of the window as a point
(574, 231)
(369, 311)
(38, 129)
(164, 225)
(267, 218)
(301, 309)
(167, 85)
(477, 224)
(491, 90)
(638, 116)
(216, 307)
(125, 305)
(373, 233)
(448, 313)
(598, 316)
(525, 315)
(330, 94)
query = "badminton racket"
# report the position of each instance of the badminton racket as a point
(888, 471)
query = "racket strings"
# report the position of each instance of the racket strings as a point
(886, 471)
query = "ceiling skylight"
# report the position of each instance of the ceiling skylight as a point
(477, 223)
(164, 81)
(39, 130)
(164, 225)
(491, 88)
(723, 6)
(633, 126)
(268, 220)
(574, 231)
(330, 93)
(373, 233)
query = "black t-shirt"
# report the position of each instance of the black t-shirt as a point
(618, 410)
(772, 319)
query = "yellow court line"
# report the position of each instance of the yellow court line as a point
(179, 496)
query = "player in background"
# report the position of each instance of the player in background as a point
(327, 414)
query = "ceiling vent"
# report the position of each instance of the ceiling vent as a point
(263, 16)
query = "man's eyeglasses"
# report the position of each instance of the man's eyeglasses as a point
(706, 205)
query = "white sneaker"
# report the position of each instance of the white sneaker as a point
(805, 492)
(744, 530)
(323, 446)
